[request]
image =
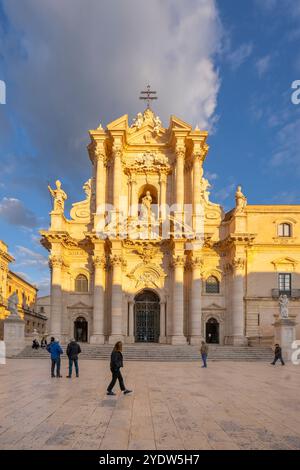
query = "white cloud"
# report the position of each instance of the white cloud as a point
(29, 258)
(237, 57)
(82, 64)
(211, 176)
(262, 65)
(287, 147)
(14, 212)
(226, 192)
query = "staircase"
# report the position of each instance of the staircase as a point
(163, 353)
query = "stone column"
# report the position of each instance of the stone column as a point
(197, 177)
(163, 196)
(195, 323)
(162, 332)
(180, 152)
(130, 338)
(98, 301)
(56, 263)
(100, 160)
(117, 333)
(178, 301)
(117, 184)
(237, 306)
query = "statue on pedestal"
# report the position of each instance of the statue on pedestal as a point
(59, 197)
(283, 305)
(240, 200)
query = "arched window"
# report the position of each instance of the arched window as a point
(284, 230)
(81, 283)
(212, 285)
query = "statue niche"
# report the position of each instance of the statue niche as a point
(148, 211)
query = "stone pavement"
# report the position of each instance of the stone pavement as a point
(174, 406)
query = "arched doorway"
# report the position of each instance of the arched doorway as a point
(81, 330)
(147, 312)
(212, 331)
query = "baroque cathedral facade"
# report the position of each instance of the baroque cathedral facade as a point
(147, 257)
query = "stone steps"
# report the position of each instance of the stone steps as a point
(163, 353)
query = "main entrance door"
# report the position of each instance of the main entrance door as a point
(147, 310)
(81, 330)
(212, 331)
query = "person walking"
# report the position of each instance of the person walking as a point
(55, 350)
(116, 362)
(73, 349)
(277, 355)
(204, 353)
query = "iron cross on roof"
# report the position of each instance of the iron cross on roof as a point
(148, 96)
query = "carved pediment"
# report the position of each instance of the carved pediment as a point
(286, 264)
(149, 275)
(80, 305)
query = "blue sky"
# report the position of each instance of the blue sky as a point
(226, 65)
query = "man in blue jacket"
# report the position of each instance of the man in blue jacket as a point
(55, 350)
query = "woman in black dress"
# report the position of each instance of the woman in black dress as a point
(116, 362)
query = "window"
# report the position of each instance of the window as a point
(285, 283)
(284, 230)
(212, 285)
(42, 310)
(81, 283)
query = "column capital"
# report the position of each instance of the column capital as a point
(117, 260)
(196, 262)
(99, 261)
(180, 151)
(100, 153)
(55, 261)
(178, 261)
(238, 264)
(117, 150)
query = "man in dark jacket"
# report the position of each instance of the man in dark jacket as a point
(278, 355)
(116, 362)
(55, 350)
(73, 349)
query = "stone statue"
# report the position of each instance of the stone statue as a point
(157, 123)
(138, 121)
(240, 200)
(146, 206)
(87, 187)
(59, 197)
(13, 301)
(283, 305)
(205, 186)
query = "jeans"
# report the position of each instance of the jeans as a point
(204, 357)
(276, 358)
(116, 375)
(71, 366)
(55, 362)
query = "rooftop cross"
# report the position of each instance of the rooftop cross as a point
(148, 96)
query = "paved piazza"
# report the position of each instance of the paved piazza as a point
(174, 406)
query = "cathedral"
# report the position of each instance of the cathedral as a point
(147, 257)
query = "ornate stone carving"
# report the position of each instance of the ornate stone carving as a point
(146, 253)
(178, 261)
(59, 197)
(81, 210)
(99, 261)
(55, 261)
(148, 117)
(196, 262)
(238, 264)
(100, 153)
(180, 151)
(147, 276)
(117, 260)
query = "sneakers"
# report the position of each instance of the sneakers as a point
(68, 376)
(110, 393)
(127, 391)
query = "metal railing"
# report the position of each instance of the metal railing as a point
(293, 293)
